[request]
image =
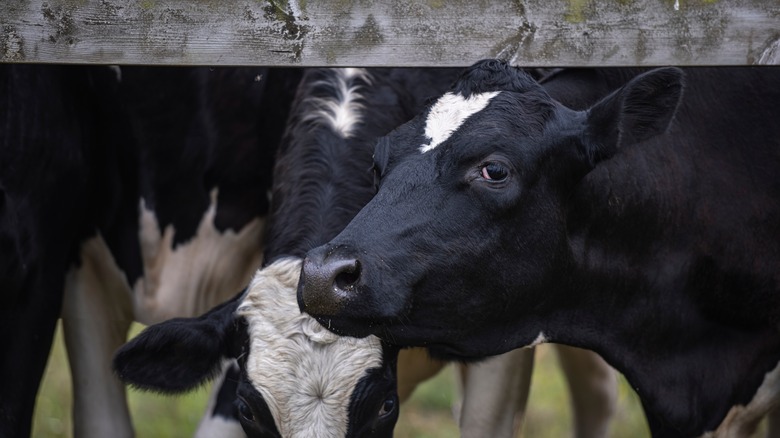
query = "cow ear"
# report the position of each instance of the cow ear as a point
(641, 109)
(179, 354)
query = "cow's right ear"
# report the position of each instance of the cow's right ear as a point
(641, 109)
(182, 353)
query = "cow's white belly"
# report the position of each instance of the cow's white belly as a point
(197, 275)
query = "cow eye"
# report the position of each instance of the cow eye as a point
(388, 406)
(245, 411)
(494, 171)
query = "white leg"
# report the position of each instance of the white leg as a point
(96, 315)
(593, 388)
(495, 394)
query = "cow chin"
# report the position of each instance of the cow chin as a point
(347, 327)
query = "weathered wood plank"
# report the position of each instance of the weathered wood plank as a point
(399, 32)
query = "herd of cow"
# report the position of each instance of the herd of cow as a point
(322, 240)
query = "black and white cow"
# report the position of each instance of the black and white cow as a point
(186, 232)
(179, 220)
(298, 379)
(644, 225)
(321, 182)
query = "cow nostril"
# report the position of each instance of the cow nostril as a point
(329, 280)
(348, 277)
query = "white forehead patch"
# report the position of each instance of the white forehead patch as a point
(449, 113)
(342, 111)
(305, 373)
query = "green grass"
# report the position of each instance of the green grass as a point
(427, 414)
(153, 415)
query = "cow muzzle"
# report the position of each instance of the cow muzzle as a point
(329, 281)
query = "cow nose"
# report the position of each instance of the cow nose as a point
(328, 280)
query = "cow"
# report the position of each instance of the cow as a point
(296, 378)
(321, 180)
(632, 213)
(184, 217)
(105, 188)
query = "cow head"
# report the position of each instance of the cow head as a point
(467, 234)
(297, 379)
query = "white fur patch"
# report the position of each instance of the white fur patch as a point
(117, 71)
(342, 112)
(448, 114)
(305, 373)
(540, 339)
(196, 275)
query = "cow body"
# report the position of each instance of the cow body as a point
(107, 183)
(185, 221)
(516, 220)
(339, 386)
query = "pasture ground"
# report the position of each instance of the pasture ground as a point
(427, 415)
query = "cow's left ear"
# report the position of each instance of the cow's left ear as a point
(641, 109)
(182, 353)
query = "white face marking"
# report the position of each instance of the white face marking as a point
(448, 114)
(196, 275)
(342, 112)
(305, 373)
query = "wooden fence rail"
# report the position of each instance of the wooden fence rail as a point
(391, 32)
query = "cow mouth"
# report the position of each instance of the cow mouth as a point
(395, 333)
(349, 327)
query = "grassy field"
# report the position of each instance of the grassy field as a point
(427, 415)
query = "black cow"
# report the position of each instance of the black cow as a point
(644, 225)
(298, 379)
(54, 122)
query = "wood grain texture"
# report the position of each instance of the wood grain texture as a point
(391, 33)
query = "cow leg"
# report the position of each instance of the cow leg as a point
(414, 367)
(96, 315)
(495, 394)
(26, 332)
(220, 418)
(773, 423)
(593, 388)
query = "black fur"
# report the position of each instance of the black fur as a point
(182, 353)
(320, 181)
(54, 173)
(644, 231)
